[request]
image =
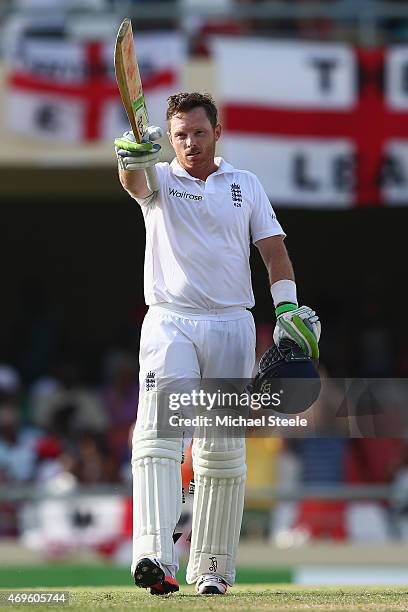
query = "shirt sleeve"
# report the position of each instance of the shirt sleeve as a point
(263, 221)
(162, 171)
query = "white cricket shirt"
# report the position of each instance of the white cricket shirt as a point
(198, 236)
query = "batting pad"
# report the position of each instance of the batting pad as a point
(156, 467)
(219, 468)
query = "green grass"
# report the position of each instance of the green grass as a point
(61, 574)
(242, 597)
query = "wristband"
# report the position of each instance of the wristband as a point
(285, 307)
(284, 291)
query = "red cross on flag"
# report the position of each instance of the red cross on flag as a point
(321, 124)
(65, 89)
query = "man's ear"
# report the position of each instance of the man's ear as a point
(217, 131)
(169, 137)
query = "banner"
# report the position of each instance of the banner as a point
(66, 525)
(63, 88)
(321, 124)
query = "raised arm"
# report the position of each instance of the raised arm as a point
(135, 183)
(136, 163)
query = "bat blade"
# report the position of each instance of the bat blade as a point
(131, 90)
(129, 81)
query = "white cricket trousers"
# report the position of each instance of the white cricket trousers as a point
(177, 345)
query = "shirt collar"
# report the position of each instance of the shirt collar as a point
(223, 167)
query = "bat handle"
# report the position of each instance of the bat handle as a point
(152, 180)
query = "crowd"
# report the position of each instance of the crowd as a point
(58, 424)
(241, 17)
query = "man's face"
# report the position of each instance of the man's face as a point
(193, 139)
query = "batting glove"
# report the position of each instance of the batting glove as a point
(132, 155)
(299, 324)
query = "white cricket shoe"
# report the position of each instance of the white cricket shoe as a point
(208, 584)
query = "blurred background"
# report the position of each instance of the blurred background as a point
(314, 99)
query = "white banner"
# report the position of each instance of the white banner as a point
(288, 73)
(74, 523)
(295, 170)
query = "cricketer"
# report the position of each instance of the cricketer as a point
(197, 284)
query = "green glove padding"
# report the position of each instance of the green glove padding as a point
(136, 147)
(301, 325)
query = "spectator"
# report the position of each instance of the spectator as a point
(399, 497)
(50, 463)
(120, 397)
(10, 385)
(372, 461)
(69, 407)
(121, 393)
(322, 463)
(94, 463)
(322, 28)
(200, 29)
(17, 446)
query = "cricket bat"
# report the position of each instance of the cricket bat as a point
(131, 89)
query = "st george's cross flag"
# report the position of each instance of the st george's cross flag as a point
(65, 89)
(321, 124)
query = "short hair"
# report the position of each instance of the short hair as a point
(183, 102)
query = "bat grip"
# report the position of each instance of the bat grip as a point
(152, 180)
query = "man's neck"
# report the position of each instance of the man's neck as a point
(201, 173)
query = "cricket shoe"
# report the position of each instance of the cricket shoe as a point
(208, 584)
(149, 574)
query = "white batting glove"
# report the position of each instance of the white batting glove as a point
(301, 325)
(132, 155)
